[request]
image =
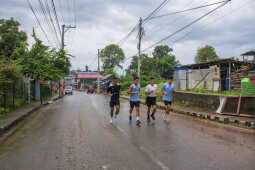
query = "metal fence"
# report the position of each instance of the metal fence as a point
(18, 93)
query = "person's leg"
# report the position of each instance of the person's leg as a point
(131, 110)
(154, 111)
(117, 109)
(111, 112)
(137, 107)
(148, 113)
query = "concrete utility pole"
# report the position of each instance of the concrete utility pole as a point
(64, 30)
(140, 35)
(98, 70)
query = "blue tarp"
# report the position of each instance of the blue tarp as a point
(181, 68)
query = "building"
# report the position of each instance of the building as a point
(220, 75)
(83, 79)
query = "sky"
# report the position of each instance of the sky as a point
(230, 29)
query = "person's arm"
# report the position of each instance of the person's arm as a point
(130, 91)
(120, 91)
(147, 91)
(163, 90)
(108, 91)
(174, 89)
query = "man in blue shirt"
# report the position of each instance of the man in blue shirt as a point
(167, 91)
(134, 91)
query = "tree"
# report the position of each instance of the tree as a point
(112, 56)
(206, 53)
(43, 63)
(12, 41)
(87, 68)
(161, 50)
(166, 65)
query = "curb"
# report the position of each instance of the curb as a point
(246, 124)
(9, 128)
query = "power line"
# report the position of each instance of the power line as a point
(51, 20)
(213, 21)
(56, 16)
(186, 26)
(191, 9)
(156, 10)
(38, 21)
(121, 42)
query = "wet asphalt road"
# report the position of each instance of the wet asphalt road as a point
(74, 134)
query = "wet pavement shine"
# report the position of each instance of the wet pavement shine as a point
(74, 134)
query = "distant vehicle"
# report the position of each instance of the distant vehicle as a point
(90, 90)
(68, 90)
(68, 80)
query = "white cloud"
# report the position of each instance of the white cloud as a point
(101, 22)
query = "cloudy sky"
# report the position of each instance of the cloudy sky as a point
(231, 29)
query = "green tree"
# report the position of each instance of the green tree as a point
(87, 68)
(166, 65)
(112, 56)
(161, 50)
(44, 63)
(12, 41)
(206, 53)
(147, 66)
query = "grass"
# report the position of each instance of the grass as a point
(205, 91)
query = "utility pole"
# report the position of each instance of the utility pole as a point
(140, 35)
(98, 70)
(64, 30)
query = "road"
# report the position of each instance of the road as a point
(74, 134)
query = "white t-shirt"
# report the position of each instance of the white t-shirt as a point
(153, 88)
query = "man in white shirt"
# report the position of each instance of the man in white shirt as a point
(151, 92)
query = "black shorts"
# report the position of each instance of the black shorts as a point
(114, 103)
(134, 104)
(151, 101)
(167, 102)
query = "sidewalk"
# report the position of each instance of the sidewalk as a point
(201, 114)
(10, 120)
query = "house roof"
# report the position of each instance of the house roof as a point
(249, 53)
(89, 76)
(210, 63)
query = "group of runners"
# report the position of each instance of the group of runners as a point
(114, 91)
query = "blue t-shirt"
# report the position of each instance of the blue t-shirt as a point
(135, 97)
(169, 89)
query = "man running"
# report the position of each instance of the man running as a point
(114, 91)
(134, 91)
(167, 91)
(151, 92)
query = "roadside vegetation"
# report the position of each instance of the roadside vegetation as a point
(18, 61)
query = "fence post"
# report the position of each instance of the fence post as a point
(41, 98)
(13, 95)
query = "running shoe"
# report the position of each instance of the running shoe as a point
(138, 123)
(111, 121)
(130, 118)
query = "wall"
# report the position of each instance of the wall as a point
(211, 102)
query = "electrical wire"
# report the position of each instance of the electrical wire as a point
(56, 16)
(38, 21)
(191, 9)
(51, 20)
(186, 26)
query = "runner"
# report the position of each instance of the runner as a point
(134, 91)
(167, 91)
(151, 92)
(114, 91)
